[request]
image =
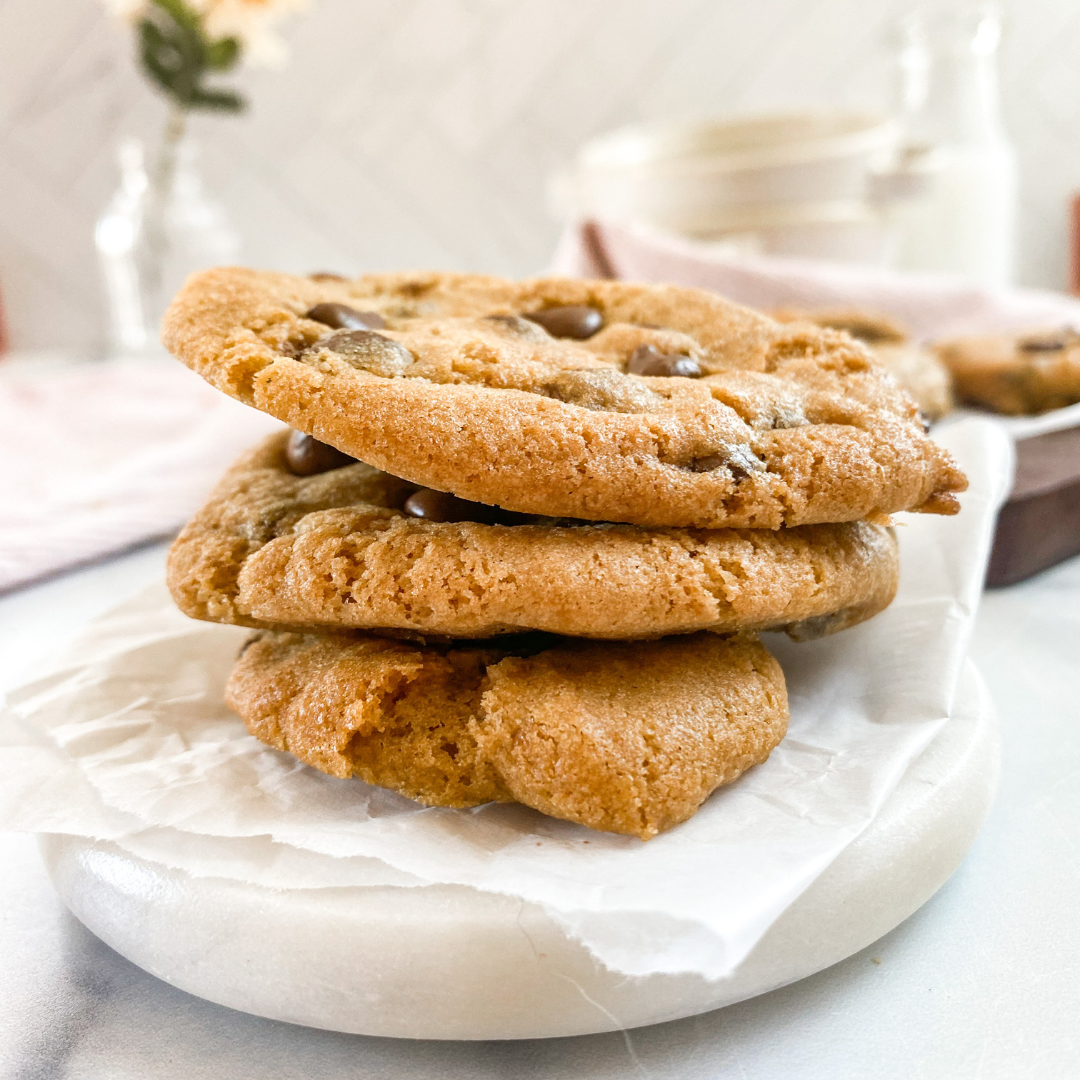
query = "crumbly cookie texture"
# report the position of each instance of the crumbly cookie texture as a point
(458, 391)
(336, 551)
(1015, 374)
(625, 737)
(914, 367)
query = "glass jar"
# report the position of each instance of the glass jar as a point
(159, 226)
(955, 143)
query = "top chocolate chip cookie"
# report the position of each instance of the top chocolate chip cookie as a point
(598, 400)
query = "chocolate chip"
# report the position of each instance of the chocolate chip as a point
(604, 390)
(247, 644)
(343, 317)
(519, 326)
(649, 360)
(369, 351)
(739, 460)
(307, 456)
(575, 321)
(708, 464)
(430, 505)
(1043, 343)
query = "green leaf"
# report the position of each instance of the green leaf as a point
(222, 55)
(176, 55)
(220, 100)
(160, 59)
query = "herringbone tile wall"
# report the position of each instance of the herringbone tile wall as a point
(422, 132)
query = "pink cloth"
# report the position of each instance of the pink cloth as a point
(931, 305)
(97, 457)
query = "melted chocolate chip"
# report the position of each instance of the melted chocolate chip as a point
(739, 460)
(307, 456)
(343, 317)
(369, 351)
(602, 389)
(430, 505)
(575, 321)
(649, 360)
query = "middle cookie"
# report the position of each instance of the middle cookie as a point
(281, 545)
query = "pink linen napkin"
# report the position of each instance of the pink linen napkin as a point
(931, 305)
(97, 457)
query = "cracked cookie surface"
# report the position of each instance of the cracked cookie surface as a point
(341, 549)
(914, 366)
(625, 737)
(604, 401)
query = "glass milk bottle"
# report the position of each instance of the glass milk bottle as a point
(964, 221)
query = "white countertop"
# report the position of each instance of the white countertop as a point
(983, 982)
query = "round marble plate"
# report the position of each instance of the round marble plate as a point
(450, 962)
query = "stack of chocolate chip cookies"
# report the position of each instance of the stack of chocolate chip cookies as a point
(522, 536)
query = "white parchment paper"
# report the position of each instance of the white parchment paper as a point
(126, 738)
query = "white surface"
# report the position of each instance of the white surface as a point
(983, 983)
(435, 149)
(448, 962)
(129, 732)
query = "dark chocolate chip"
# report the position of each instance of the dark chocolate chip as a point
(709, 463)
(602, 389)
(343, 317)
(649, 360)
(739, 460)
(307, 456)
(817, 626)
(370, 351)
(1042, 343)
(430, 505)
(247, 644)
(576, 321)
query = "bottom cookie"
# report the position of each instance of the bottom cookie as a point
(625, 737)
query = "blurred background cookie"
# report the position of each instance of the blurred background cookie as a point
(1016, 374)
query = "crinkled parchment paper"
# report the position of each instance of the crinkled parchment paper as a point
(126, 738)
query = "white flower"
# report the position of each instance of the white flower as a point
(129, 10)
(251, 22)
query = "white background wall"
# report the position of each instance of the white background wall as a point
(421, 132)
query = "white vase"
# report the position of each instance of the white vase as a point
(159, 226)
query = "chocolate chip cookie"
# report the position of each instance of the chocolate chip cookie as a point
(298, 536)
(603, 401)
(1016, 374)
(624, 737)
(914, 367)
